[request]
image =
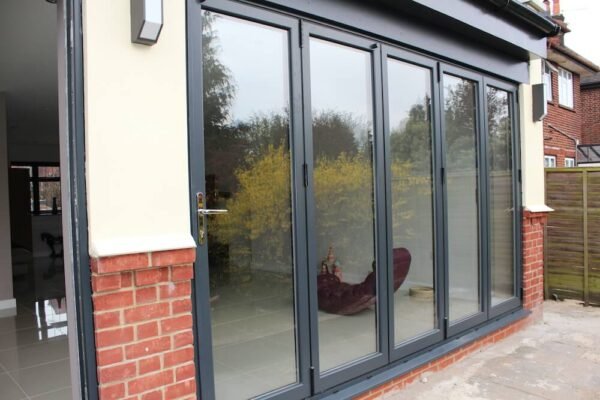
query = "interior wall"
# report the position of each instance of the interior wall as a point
(28, 76)
(6, 285)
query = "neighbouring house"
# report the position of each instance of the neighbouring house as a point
(564, 70)
(282, 199)
(589, 151)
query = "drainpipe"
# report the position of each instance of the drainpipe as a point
(575, 140)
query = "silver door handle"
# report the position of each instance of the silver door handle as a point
(206, 211)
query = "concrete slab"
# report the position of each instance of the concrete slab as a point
(556, 359)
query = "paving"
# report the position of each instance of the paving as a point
(558, 358)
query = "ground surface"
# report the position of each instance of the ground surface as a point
(558, 358)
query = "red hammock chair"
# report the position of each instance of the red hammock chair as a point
(337, 297)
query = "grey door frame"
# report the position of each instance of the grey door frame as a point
(80, 320)
(388, 356)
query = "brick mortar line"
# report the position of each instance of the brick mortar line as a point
(134, 341)
(137, 376)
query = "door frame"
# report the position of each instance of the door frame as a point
(387, 356)
(71, 111)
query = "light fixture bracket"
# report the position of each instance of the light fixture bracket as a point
(146, 21)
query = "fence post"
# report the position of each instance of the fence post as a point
(586, 281)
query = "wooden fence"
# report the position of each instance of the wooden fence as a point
(572, 255)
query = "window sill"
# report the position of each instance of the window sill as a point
(566, 107)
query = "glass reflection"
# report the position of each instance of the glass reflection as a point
(462, 194)
(409, 102)
(342, 103)
(501, 195)
(247, 158)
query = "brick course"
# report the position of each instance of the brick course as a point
(533, 297)
(143, 325)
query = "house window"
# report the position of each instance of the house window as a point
(565, 88)
(44, 186)
(547, 82)
(569, 162)
(550, 161)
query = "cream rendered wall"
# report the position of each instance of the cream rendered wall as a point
(136, 132)
(532, 145)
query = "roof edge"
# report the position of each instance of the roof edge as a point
(524, 14)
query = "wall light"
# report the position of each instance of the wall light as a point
(146, 21)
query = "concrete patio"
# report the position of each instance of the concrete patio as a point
(558, 358)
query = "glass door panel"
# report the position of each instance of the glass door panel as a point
(342, 105)
(462, 197)
(502, 208)
(248, 172)
(409, 94)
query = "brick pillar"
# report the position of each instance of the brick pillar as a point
(143, 325)
(533, 261)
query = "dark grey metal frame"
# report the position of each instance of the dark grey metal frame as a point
(388, 357)
(436, 335)
(203, 339)
(348, 371)
(78, 214)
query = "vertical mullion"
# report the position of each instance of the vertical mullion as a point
(388, 204)
(310, 210)
(381, 221)
(442, 170)
(440, 262)
(484, 196)
(297, 151)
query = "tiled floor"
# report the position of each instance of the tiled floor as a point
(34, 354)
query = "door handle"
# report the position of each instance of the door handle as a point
(209, 211)
(201, 214)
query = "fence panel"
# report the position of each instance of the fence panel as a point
(564, 234)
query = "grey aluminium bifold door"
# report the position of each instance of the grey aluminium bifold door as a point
(247, 182)
(345, 214)
(414, 200)
(504, 236)
(465, 199)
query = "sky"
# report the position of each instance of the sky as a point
(583, 17)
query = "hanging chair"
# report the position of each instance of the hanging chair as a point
(337, 297)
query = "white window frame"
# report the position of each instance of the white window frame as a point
(549, 161)
(569, 162)
(565, 88)
(547, 82)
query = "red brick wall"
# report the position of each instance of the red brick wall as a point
(532, 240)
(566, 120)
(143, 325)
(590, 107)
(533, 291)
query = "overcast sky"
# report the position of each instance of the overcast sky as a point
(583, 17)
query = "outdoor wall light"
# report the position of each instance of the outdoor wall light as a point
(146, 21)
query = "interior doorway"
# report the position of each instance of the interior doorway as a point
(34, 348)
